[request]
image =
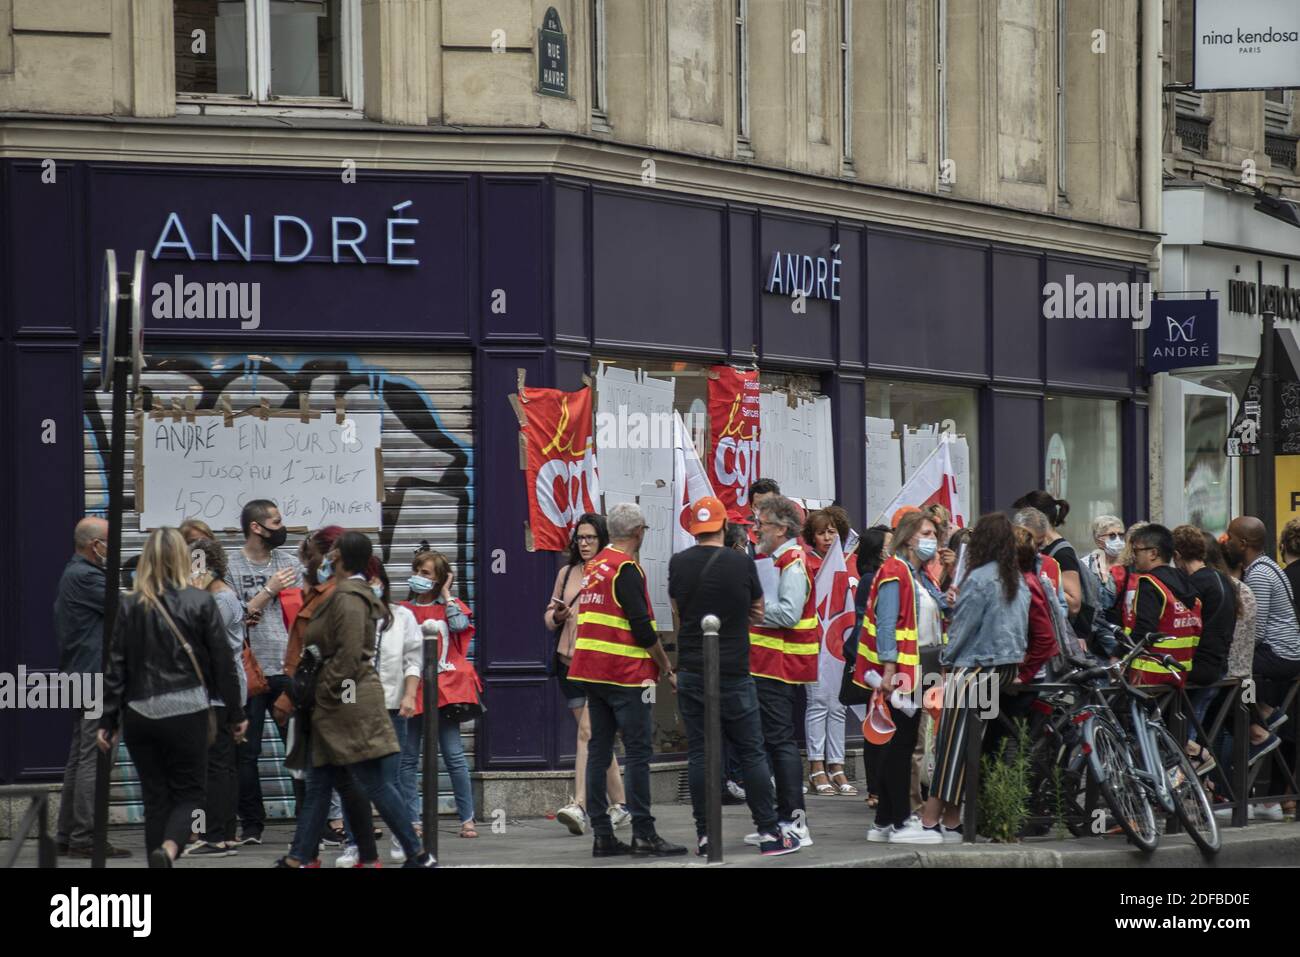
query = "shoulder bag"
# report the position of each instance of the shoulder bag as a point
(256, 679)
(212, 714)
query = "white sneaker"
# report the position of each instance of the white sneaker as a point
(914, 833)
(800, 830)
(395, 852)
(619, 816)
(754, 839)
(735, 790)
(880, 835)
(1268, 812)
(574, 818)
(348, 858)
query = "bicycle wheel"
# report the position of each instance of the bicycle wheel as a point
(1191, 803)
(1112, 766)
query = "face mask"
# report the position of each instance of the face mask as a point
(926, 548)
(325, 572)
(419, 584)
(276, 538)
(1114, 546)
(378, 590)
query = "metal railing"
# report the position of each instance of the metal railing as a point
(38, 815)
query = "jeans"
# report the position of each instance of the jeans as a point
(222, 784)
(613, 708)
(252, 814)
(375, 779)
(1273, 673)
(824, 719)
(776, 704)
(895, 771)
(348, 801)
(171, 756)
(742, 731)
(452, 751)
(77, 802)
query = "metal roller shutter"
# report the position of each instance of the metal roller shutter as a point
(426, 400)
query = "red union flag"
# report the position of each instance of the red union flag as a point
(933, 483)
(835, 602)
(690, 483)
(733, 436)
(561, 463)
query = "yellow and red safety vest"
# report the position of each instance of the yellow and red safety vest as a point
(905, 629)
(605, 651)
(1181, 624)
(788, 654)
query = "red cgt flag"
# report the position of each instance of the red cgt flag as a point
(561, 463)
(733, 437)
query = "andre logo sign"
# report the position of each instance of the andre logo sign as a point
(560, 465)
(1183, 332)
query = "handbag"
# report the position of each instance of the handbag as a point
(212, 712)
(302, 684)
(257, 683)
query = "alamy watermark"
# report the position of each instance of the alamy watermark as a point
(179, 299)
(626, 429)
(1081, 299)
(53, 691)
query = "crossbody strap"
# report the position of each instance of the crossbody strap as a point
(181, 638)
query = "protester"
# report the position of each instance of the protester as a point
(945, 559)
(170, 655)
(399, 650)
(956, 542)
(902, 604)
(710, 579)
(1051, 543)
(619, 656)
(1041, 638)
(871, 553)
(196, 530)
(218, 838)
(1241, 653)
(735, 536)
(1288, 548)
(1108, 536)
(1218, 622)
(1166, 604)
(433, 600)
(782, 655)
(349, 724)
(79, 633)
(259, 572)
(1277, 637)
(561, 617)
(824, 716)
(759, 492)
(987, 642)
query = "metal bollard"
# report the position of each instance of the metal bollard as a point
(429, 797)
(1240, 760)
(712, 738)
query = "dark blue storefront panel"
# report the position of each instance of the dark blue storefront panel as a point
(571, 275)
(514, 241)
(852, 319)
(744, 290)
(130, 207)
(1017, 317)
(1092, 354)
(45, 392)
(925, 305)
(1011, 437)
(848, 403)
(792, 337)
(40, 231)
(657, 270)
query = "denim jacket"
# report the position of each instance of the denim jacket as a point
(986, 629)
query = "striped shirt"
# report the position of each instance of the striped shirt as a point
(1275, 620)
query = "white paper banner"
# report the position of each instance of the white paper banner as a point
(798, 446)
(884, 474)
(634, 429)
(657, 548)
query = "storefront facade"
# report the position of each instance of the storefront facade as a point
(420, 296)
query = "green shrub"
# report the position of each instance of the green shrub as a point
(1004, 791)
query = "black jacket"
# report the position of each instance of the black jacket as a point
(79, 617)
(147, 659)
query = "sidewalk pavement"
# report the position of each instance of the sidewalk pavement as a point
(838, 825)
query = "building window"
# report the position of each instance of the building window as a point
(1061, 35)
(941, 89)
(598, 104)
(917, 412)
(287, 52)
(846, 79)
(1082, 463)
(1207, 486)
(742, 71)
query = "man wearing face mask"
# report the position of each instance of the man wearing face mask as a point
(79, 630)
(258, 572)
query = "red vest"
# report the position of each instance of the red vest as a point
(905, 629)
(789, 654)
(1181, 624)
(605, 651)
(461, 686)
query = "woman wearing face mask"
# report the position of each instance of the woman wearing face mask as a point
(561, 617)
(904, 612)
(1108, 534)
(433, 602)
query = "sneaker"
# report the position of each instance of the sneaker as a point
(350, 857)
(913, 832)
(775, 845)
(736, 791)
(250, 837)
(281, 862)
(574, 818)
(702, 846)
(1275, 720)
(204, 849)
(655, 846)
(619, 816)
(1268, 812)
(1271, 743)
(947, 835)
(755, 839)
(424, 860)
(395, 852)
(800, 830)
(334, 836)
(376, 863)
(880, 834)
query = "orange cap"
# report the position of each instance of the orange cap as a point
(893, 522)
(707, 515)
(878, 727)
